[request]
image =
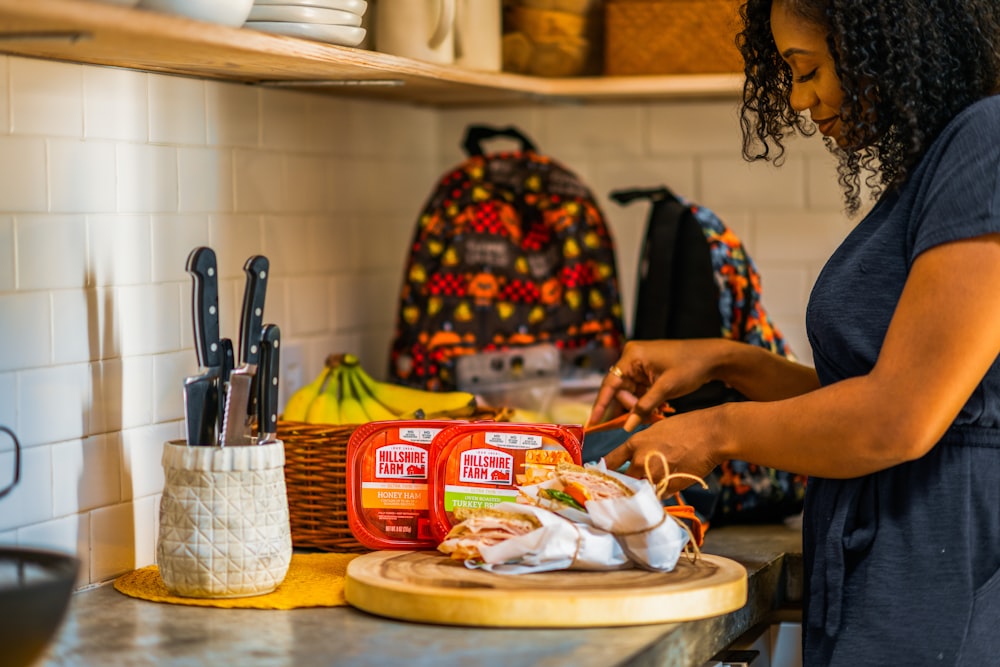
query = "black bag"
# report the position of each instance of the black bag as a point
(696, 280)
(510, 251)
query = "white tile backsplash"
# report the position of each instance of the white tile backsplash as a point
(119, 249)
(4, 96)
(8, 257)
(46, 98)
(148, 318)
(85, 474)
(25, 329)
(258, 182)
(115, 104)
(232, 114)
(108, 178)
(23, 184)
(147, 178)
(113, 541)
(204, 179)
(56, 245)
(76, 333)
(176, 110)
(173, 238)
(68, 193)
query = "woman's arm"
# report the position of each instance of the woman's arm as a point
(656, 371)
(942, 339)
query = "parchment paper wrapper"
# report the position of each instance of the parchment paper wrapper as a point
(559, 544)
(648, 536)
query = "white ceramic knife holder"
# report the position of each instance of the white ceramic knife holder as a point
(224, 529)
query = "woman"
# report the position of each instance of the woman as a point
(898, 425)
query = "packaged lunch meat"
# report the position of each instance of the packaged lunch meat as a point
(388, 501)
(481, 464)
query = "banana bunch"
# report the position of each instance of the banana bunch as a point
(344, 393)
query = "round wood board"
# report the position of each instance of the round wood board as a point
(429, 587)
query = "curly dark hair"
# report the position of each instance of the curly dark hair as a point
(906, 67)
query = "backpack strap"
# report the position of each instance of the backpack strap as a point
(656, 273)
(476, 134)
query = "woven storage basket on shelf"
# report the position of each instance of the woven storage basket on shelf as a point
(316, 481)
(671, 37)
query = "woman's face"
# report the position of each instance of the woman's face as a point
(815, 85)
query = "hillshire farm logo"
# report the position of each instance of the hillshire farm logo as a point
(486, 465)
(401, 461)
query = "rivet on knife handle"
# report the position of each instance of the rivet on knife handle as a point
(267, 377)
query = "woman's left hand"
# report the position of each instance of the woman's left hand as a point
(688, 442)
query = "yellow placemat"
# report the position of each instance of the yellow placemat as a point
(313, 580)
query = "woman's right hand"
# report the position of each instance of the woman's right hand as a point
(651, 372)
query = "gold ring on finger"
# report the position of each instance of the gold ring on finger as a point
(617, 372)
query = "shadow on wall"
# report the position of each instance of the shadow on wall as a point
(105, 481)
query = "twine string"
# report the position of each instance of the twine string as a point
(660, 488)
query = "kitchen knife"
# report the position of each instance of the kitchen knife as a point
(236, 422)
(228, 363)
(267, 382)
(201, 392)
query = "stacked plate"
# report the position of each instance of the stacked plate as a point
(331, 21)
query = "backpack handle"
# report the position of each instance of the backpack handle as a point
(476, 134)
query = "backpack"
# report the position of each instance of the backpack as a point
(696, 280)
(510, 250)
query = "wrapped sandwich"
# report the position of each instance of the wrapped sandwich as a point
(485, 527)
(512, 538)
(628, 508)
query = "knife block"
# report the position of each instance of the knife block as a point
(224, 528)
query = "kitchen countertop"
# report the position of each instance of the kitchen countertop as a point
(107, 629)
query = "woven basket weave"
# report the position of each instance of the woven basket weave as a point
(671, 37)
(316, 480)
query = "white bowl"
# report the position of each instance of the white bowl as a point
(342, 35)
(356, 6)
(224, 12)
(295, 14)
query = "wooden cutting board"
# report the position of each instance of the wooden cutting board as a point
(429, 587)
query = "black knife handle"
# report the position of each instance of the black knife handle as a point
(201, 264)
(252, 316)
(267, 403)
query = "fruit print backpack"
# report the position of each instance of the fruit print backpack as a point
(696, 280)
(510, 250)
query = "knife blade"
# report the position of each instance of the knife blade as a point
(236, 422)
(201, 391)
(267, 382)
(228, 363)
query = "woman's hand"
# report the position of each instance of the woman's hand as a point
(651, 372)
(689, 443)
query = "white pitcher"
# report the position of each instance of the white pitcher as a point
(478, 24)
(418, 29)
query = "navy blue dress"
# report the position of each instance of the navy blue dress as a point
(903, 566)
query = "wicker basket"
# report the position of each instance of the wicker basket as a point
(316, 480)
(671, 37)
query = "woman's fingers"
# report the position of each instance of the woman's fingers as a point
(614, 382)
(619, 456)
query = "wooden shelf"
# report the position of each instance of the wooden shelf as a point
(81, 31)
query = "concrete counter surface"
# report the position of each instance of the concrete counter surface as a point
(107, 629)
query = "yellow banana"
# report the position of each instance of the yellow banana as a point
(375, 410)
(325, 408)
(404, 400)
(298, 404)
(351, 411)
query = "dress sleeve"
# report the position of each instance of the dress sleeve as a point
(962, 195)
